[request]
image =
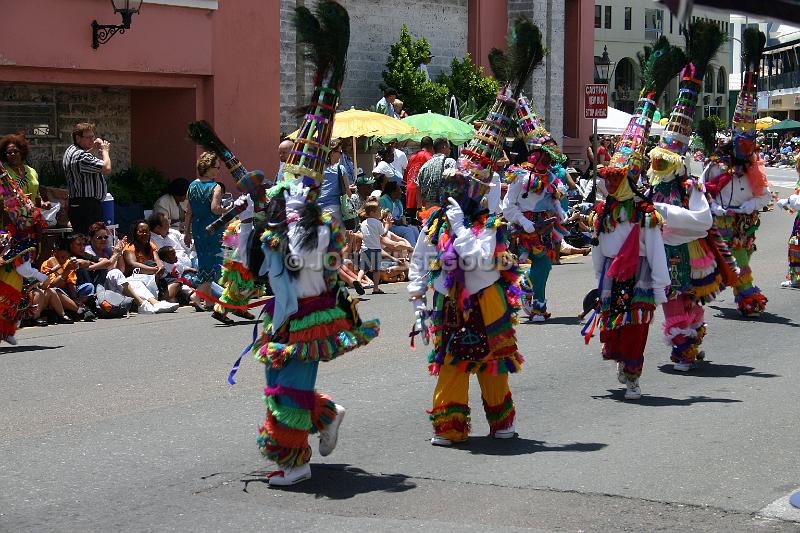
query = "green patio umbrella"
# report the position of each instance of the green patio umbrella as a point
(434, 125)
(785, 125)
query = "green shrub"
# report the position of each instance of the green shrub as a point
(466, 81)
(137, 185)
(402, 73)
(719, 122)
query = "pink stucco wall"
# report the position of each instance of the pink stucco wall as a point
(225, 63)
(487, 23)
(578, 71)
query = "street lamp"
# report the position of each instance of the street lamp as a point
(602, 67)
(602, 72)
(102, 33)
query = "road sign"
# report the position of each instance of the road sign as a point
(595, 101)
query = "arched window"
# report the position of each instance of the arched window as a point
(709, 81)
(722, 81)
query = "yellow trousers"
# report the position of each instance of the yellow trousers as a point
(451, 414)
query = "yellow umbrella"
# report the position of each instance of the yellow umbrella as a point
(357, 123)
(765, 122)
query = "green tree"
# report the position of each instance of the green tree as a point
(466, 81)
(402, 73)
(719, 122)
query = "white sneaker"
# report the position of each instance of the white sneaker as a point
(11, 339)
(621, 372)
(537, 318)
(166, 307)
(633, 392)
(681, 367)
(436, 440)
(508, 433)
(291, 475)
(146, 308)
(789, 285)
(329, 435)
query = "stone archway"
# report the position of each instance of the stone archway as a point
(625, 88)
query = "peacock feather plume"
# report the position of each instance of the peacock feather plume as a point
(204, 135)
(660, 63)
(524, 52)
(703, 41)
(326, 34)
(753, 42)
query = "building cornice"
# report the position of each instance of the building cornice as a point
(198, 4)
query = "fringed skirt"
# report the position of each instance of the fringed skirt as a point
(323, 328)
(538, 244)
(694, 271)
(739, 230)
(626, 302)
(794, 253)
(10, 297)
(478, 334)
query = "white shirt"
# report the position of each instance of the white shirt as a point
(389, 171)
(424, 69)
(493, 197)
(400, 162)
(388, 109)
(514, 204)
(372, 230)
(475, 253)
(174, 239)
(736, 195)
(175, 211)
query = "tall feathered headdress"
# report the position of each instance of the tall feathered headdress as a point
(744, 116)
(703, 40)
(470, 178)
(659, 65)
(326, 32)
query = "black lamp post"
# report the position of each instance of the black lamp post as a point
(602, 67)
(602, 71)
(102, 33)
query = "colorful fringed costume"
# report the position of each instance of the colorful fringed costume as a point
(532, 206)
(20, 222)
(691, 256)
(462, 254)
(312, 317)
(628, 255)
(792, 205)
(736, 180)
(238, 282)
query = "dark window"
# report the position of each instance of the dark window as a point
(671, 18)
(608, 17)
(627, 18)
(598, 16)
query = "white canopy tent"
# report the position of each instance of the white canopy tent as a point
(618, 120)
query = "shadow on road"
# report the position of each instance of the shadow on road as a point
(767, 318)
(719, 371)
(566, 320)
(517, 446)
(27, 348)
(661, 401)
(340, 482)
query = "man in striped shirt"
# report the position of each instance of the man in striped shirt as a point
(86, 176)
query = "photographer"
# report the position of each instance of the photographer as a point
(86, 176)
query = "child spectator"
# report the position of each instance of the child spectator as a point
(169, 283)
(61, 269)
(372, 229)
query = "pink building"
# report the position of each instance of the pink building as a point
(182, 60)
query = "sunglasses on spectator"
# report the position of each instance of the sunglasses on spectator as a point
(101, 237)
(12, 151)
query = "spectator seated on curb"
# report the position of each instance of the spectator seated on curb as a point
(170, 283)
(174, 203)
(161, 234)
(61, 270)
(141, 262)
(391, 201)
(102, 256)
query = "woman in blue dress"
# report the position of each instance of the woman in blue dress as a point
(205, 206)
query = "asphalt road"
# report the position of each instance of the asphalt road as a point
(130, 425)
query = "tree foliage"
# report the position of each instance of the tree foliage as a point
(466, 80)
